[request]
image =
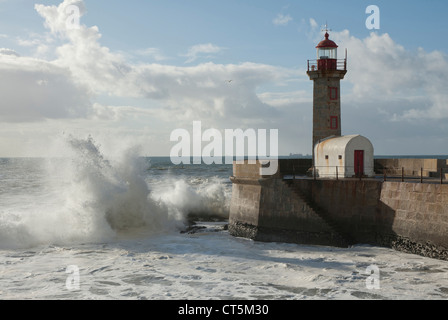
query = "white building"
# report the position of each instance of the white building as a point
(344, 157)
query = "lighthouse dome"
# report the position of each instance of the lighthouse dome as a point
(327, 43)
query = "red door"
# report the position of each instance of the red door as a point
(359, 162)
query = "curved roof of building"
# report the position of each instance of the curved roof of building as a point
(336, 143)
(327, 43)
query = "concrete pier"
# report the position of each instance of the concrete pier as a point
(410, 217)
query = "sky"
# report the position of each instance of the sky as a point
(129, 73)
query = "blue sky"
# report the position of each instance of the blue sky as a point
(136, 70)
(245, 28)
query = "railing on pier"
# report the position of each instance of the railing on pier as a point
(402, 174)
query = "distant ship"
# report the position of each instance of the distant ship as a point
(299, 156)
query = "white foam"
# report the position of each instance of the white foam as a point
(213, 265)
(86, 197)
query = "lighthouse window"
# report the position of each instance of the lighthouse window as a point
(334, 123)
(333, 93)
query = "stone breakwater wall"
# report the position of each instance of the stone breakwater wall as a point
(409, 217)
(412, 167)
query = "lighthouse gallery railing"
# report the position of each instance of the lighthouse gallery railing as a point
(327, 64)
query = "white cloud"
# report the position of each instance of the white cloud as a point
(152, 53)
(33, 90)
(282, 20)
(9, 52)
(312, 30)
(64, 87)
(313, 23)
(199, 92)
(382, 70)
(40, 44)
(198, 50)
(282, 99)
(387, 82)
(58, 18)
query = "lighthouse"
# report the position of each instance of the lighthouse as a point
(334, 155)
(327, 72)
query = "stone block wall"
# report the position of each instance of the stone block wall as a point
(412, 167)
(352, 204)
(410, 217)
(268, 210)
(420, 214)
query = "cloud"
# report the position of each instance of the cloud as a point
(152, 53)
(198, 50)
(382, 70)
(313, 24)
(282, 20)
(196, 92)
(34, 90)
(65, 87)
(9, 52)
(386, 85)
(42, 44)
(59, 18)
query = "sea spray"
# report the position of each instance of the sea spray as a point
(183, 198)
(115, 190)
(86, 197)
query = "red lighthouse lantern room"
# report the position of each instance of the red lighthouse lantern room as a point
(327, 54)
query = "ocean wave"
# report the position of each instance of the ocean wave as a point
(86, 197)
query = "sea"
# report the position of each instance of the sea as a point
(90, 227)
